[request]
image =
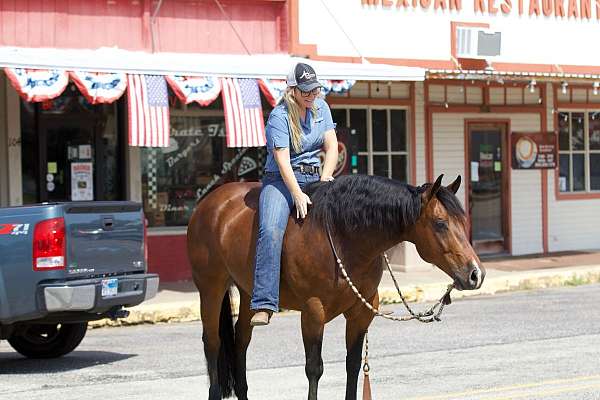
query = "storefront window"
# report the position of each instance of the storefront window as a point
(381, 144)
(196, 162)
(579, 151)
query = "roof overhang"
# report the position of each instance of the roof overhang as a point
(274, 66)
(490, 74)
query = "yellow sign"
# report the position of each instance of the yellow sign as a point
(52, 168)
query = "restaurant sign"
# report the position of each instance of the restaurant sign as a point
(534, 150)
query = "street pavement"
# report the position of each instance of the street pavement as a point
(179, 301)
(530, 345)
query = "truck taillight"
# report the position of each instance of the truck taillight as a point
(49, 245)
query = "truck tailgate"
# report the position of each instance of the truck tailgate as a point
(104, 238)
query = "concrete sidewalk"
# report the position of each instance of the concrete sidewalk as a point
(177, 302)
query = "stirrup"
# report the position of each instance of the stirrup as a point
(261, 318)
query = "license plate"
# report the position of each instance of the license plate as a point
(110, 287)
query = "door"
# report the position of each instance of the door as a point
(69, 167)
(488, 190)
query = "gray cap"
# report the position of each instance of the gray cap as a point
(304, 77)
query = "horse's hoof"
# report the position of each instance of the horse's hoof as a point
(260, 318)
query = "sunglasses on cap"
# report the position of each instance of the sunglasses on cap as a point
(314, 92)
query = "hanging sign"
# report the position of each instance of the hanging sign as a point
(82, 182)
(201, 89)
(100, 87)
(534, 150)
(37, 85)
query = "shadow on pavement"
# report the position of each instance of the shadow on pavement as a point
(181, 286)
(12, 363)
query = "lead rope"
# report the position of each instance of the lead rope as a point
(427, 316)
(366, 368)
(430, 315)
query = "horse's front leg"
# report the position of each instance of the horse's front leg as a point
(313, 322)
(358, 319)
(243, 335)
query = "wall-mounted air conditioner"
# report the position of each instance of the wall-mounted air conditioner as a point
(478, 43)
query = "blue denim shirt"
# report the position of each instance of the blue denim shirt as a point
(278, 135)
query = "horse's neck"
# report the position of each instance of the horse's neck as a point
(367, 246)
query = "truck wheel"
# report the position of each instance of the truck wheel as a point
(48, 340)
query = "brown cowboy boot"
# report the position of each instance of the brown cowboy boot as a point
(261, 317)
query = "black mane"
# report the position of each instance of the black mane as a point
(357, 203)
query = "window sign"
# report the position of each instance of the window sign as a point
(72, 152)
(534, 150)
(82, 182)
(85, 151)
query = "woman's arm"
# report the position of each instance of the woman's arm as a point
(330, 145)
(301, 199)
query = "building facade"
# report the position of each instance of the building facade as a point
(526, 79)
(447, 112)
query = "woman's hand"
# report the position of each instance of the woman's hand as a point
(327, 178)
(301, 200)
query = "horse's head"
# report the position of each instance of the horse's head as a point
(441, 235)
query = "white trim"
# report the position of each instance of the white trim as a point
(4, 172)
(13, 133)
(133, 177)
(107, 59)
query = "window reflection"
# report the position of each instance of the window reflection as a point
(196, 162)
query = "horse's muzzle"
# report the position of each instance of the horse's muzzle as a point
(473, 279)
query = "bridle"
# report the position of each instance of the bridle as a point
(430, 315)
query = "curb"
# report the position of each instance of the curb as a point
(508, 282)
(186, 311)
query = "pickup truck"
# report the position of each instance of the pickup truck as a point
(65, 264)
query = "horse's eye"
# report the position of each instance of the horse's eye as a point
(441, 225)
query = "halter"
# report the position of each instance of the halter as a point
(430, 315)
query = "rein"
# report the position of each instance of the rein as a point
(430, 315)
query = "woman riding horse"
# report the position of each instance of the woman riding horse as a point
(297, 129)
(366, 216)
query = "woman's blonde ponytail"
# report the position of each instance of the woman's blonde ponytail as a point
(294, 118)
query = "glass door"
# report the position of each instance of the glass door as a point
(72, 150)
(69, 169)
(487, 188)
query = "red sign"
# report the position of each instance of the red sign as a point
(534, 150)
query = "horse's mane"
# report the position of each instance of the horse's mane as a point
(358, 203)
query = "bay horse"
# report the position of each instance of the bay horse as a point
(366, 216)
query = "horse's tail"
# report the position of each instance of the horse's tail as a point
(226, 362)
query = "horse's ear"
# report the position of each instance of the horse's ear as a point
(454, 185)
(432, 191)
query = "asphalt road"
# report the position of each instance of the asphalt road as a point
(525, 345)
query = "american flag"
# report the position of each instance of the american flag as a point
(148, 106)
(244, 122)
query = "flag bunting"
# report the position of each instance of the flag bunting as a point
(100, 87)
(201, 89)
(37, 85)
(272, 89)
(336, 86)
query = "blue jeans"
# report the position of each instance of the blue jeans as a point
(274, 209)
